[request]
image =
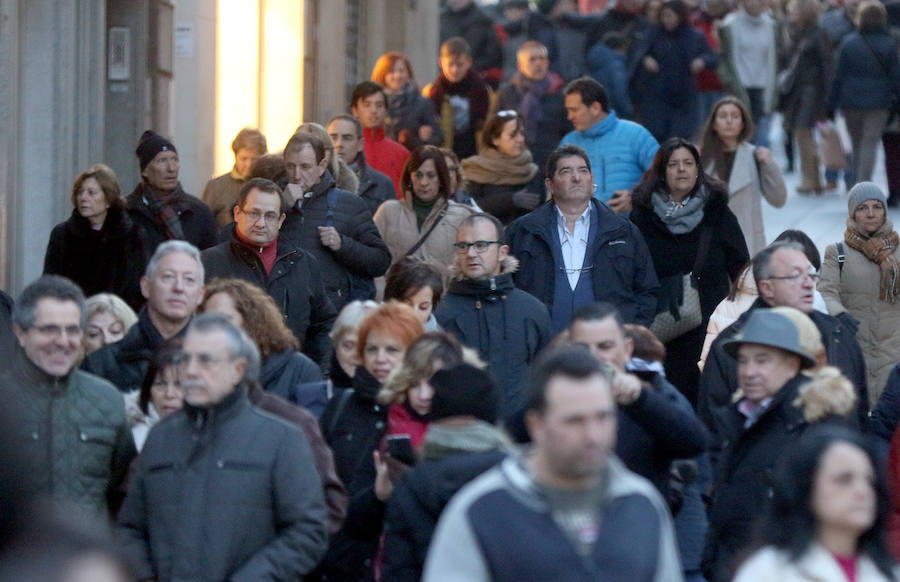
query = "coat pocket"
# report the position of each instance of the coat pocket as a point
(96, 444)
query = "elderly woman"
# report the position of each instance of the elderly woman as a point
(343, 175)
(411, 117)
(866, 83)
(108, 320)
(417, 284)
(828, 514)
(423, 224)
(503, 179)
(284, 371)
(99, 247)
(689, 229)
(749, 171)
(354, 423)
(344, 336)
(860, 281)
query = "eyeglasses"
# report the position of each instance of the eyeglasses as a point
(255, 215)
(55, 331)
(480, 246)
(507, 113)
(814, 277)
(573, 271)
(204, 360)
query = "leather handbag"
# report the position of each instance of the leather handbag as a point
(680, 304)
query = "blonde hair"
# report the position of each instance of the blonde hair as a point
(110, 303)
(350, 317)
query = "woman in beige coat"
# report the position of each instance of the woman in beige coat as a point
(424, 223)
(864, 289)
(749, 171)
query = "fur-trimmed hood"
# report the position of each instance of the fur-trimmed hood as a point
(828, 393)
(508, 266)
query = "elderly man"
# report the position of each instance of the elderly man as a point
(222, 491)
(565, 510)
(347, 134)
(536, 93)
(335, 226)
(158, 204)
(173, 287)
(762, 422)
(290, 275)
(579, 251)
(784, 278)
(74, 436)
(485, 311)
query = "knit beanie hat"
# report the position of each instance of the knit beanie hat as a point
(464, 390)
(864, 191)
(150, 144)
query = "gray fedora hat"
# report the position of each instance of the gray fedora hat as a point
(767, 328)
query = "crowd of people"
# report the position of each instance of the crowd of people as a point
(522, 323)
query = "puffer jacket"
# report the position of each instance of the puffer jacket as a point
(506, 325)
(245, 507)
(294, 283)
(197, 221)
(363, 253)
(855, 289)
(620, 152)
(73, 434)
(621, 274)
(396, 221)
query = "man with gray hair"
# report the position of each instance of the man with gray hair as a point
(784, 278)
(222, 491)
(72, 427)
(173, 287)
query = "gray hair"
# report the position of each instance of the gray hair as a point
(239, 343)
(174, 246)
(762, 261)
(350, 317)
(112, 304)
(48, 286)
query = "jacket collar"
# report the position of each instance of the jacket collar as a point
(116, 225)
(326, 183)
(601, 128)
(817, 563)
(142, 339)
(201, 418)
(365, 385)
(491, 288)
(36, 379)
(543, 219)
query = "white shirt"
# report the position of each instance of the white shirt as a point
(574, 244)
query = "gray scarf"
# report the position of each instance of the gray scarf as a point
(476, 437)
(680, 217)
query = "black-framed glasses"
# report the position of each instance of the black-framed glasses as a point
(255, 215)
(814, 277)
(480, 246)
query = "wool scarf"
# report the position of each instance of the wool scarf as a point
(498, 169)
(530, 106)
(879, 248)
(163, 207)
(680, 217)
(476, 437)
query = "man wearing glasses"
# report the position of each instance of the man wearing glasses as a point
(289, 274)
(222, 491)
(486, 312)
(784, 277)
(71, 425)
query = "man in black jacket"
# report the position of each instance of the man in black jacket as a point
(335, 226)
(347, 134)
(576, 251)
(223, 491)
(289, 275)
(485, 310)
(173, 286)
(158, 204)
(784, 277)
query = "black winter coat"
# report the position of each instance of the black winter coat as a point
(282, 372)
(295, 284)
(621, 274)
(363, 253)
(225, 493)
(197, 221)
(883, 422)
(497, 199)
(374, 187)
(719, 380)
(109, 260)
(416, 505)
(506, 325)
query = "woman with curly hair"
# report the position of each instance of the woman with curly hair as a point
(284, 371)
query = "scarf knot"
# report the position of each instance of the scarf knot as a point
(879, 248)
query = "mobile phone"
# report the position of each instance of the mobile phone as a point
(400, 447)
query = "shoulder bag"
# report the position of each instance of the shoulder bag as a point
(681, 307)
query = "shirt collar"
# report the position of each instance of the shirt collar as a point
(583, 219)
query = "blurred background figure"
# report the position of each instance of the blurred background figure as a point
(221, 192)
(340, 170)
(108, 320)
(411, 119)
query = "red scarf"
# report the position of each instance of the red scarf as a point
(267, 253)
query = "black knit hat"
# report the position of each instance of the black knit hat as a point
(464, 390)
(150, 144)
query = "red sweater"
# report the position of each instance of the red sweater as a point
(267, 253)
(386, 156)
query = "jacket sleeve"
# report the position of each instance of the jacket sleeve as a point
(302, 536)
(676, 432)
(736, 253)
(772, 183)
(830, 282)
(123, 454)
(53, 259)
(317, 344)
(131, 529)
(430, 119)
(454, 554)
(717, 384)
(726, 70)
(646, 146)
(884, 419)
(704, 51)
(364, 251)
(646, 285)
(402, 559)
(834, 94)
(209, 229)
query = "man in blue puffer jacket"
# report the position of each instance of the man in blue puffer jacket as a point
(620, 150)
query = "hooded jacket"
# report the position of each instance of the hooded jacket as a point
(109, 260)
(507, 326)
(197, 221)
(622, 271)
